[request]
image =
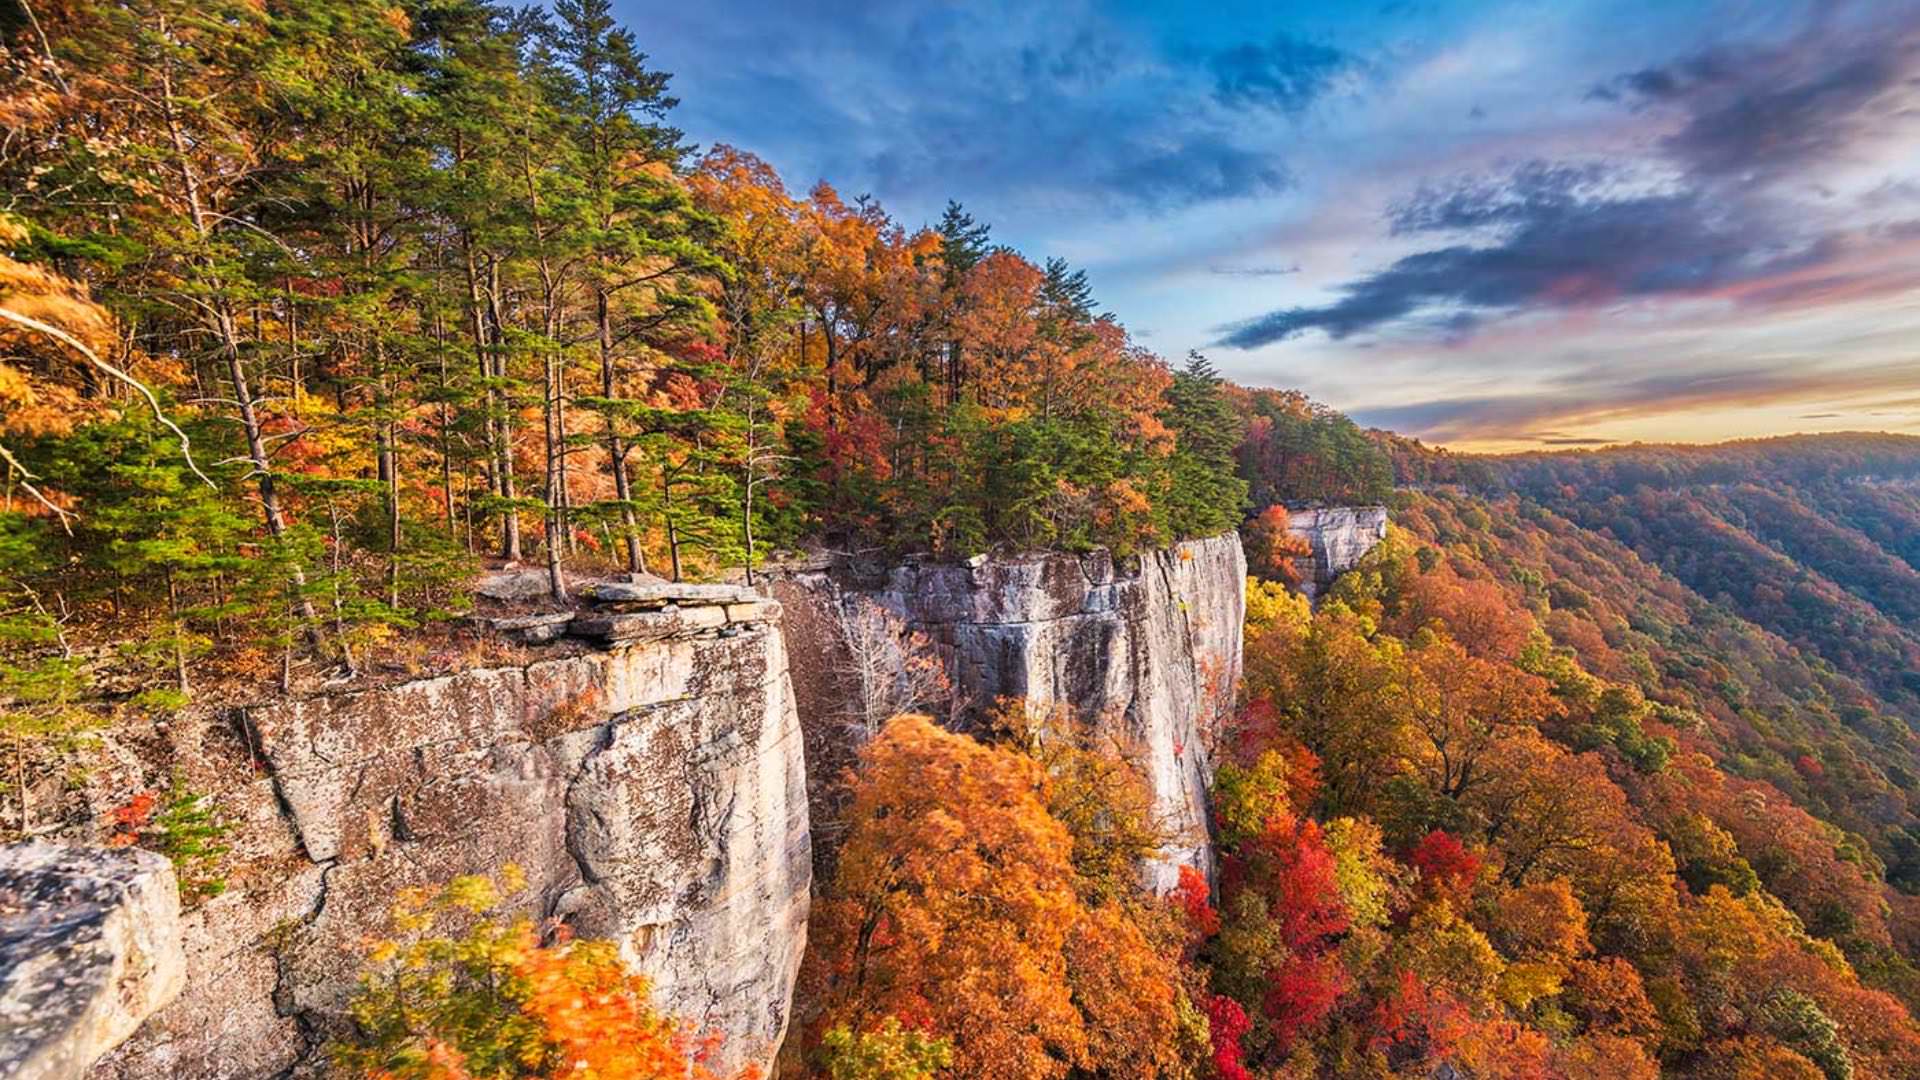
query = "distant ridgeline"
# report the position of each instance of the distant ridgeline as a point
(1771, 585)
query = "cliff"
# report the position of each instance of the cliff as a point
(1338, 536)
(644, 765)
(652, 788)
(1147, 646)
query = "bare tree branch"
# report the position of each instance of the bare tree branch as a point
(93, 358)
(26, 481)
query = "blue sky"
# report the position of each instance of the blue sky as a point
(1494, 225)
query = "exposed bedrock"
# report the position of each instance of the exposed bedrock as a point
(1339, 537)
(652, 789)
(1147, 644)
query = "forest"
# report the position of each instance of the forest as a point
(1602, 765)
(311, 308)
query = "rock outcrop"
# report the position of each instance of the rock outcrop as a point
(652, 788)
(89, 948)
(644, 768)
(1149, 645)
(1339, 536)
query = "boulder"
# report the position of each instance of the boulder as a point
(514, 584)
(654, 594)
(89, 948)
(648, 625)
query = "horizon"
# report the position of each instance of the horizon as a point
(1667, 444)
(1495, 228)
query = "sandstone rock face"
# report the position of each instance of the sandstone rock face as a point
(89, 947)
(1149, 646)
(653, 791)
(1339, 536)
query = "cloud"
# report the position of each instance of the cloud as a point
(1197, 169)
(1286, 74)
(1034, 112)
(1693, 219)
(1564, 236)
(1254, 271)
(1595, 394)
(1756, 112)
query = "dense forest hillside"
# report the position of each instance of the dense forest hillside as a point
(1600, 765)
(1724, 636)
(1810, 537)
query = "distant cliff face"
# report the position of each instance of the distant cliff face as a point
(1150, 644)
(1339, 536)
(652, 789)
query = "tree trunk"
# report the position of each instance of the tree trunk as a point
(510, 548)
(229, 337)
(616, 446)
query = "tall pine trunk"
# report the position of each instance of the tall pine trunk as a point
(616, 446)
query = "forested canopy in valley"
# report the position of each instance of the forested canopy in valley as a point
(1601, 764)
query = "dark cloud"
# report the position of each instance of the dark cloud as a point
(1698, 218)
(1754, 113)
(1565, 237)
(1196, 169)
(1285, 74)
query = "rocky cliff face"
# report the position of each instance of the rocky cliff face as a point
(652, 788)
(651, 781)
(1147, 645)
(1339, 537)
(89, 948)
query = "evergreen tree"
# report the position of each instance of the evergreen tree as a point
(963, 241)
(1204, 494)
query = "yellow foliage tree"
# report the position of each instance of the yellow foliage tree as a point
(956, 909)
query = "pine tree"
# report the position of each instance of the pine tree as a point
(645, 242)
(1204, 494)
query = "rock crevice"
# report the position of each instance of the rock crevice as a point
(1146, 646)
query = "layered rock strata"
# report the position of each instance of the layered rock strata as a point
(1147, 647)
(652, 789)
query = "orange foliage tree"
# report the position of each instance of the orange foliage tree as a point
(955, 909)
(494, 1003)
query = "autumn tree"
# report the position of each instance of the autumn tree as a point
(463, 990)
(954, 906)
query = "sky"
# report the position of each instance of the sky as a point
(1494, 226)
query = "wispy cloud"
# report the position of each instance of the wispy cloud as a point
(1254, 271)
(1699, 215)
(1589, 396)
